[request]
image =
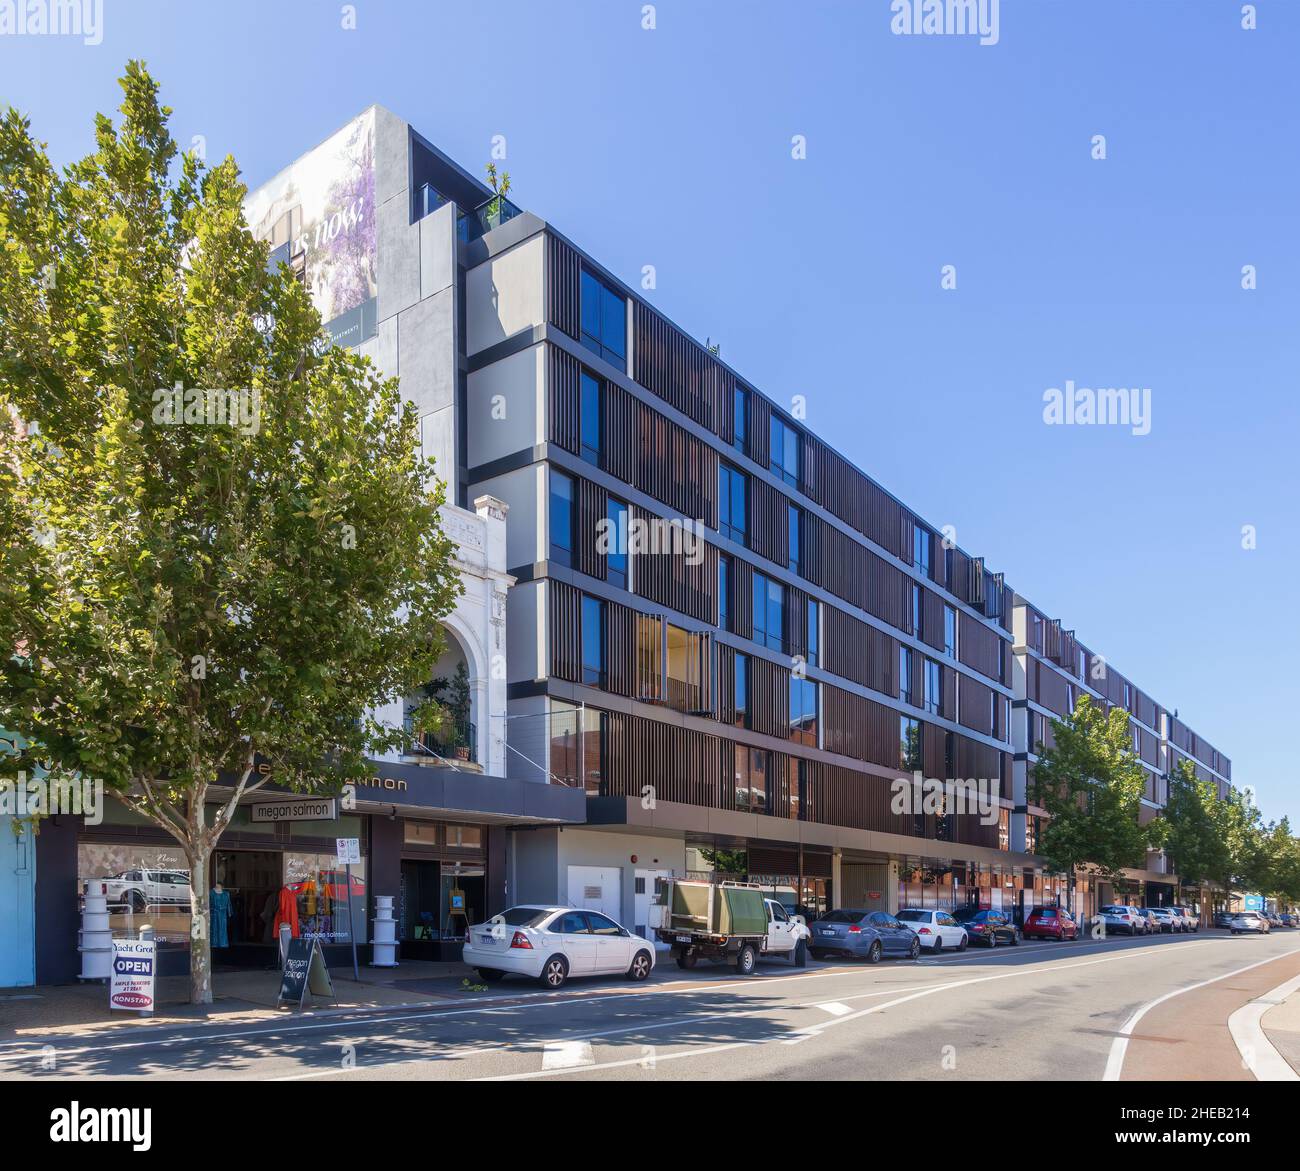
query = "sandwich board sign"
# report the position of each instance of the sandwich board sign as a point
(304, 971)
(131, 986)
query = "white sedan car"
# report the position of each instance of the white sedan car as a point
(936, 929)
(551, 944)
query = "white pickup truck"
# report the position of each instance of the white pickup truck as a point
(729, 921)
(141, 889)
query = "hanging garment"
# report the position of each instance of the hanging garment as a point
(219, 916)
(309, 888)
(287, 912)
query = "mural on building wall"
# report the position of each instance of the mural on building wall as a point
(318, 215)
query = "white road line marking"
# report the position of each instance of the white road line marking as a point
(1119, 1047)
(835, 1008)
(1258, 1053)
(567, 1055)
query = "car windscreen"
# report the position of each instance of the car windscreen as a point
(843, 917)
(1046, 914)
(913, 916)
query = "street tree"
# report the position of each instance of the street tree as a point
(188, 595)
(1194, 839)
(1091, 785)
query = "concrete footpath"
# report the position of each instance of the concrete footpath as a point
(238, 997)
(1281, 1025)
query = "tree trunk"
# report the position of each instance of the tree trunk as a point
(200, 938)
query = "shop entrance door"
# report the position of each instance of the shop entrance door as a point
(252, 878)
(418, 909)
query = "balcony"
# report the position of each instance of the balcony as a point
(470, 225)
(454, 747)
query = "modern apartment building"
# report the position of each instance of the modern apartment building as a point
(1052, 669)
(729, 638)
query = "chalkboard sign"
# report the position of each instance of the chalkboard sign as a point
(304, 971)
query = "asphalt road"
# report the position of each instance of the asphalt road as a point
(1041, 1011)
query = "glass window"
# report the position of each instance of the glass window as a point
(604, 320)
(742, 691)
(561, 518)
(814, 633)
(724, 593)
(591, 419)
(950, 632)
(909, 743)
(732, 491)
(751, 779)
(321, 886)
(921, 549)
(933, 687)
(796, 541)
(616, 558)
(740, 418)
(570, 923)
(593, 641)
(769, 612)
(803, 710)
(600, 925)
(784, 454)
(916, 610)
(905, 674)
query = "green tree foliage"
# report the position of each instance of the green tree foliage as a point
(1195, 840)
(189, 598)
(1091, 784)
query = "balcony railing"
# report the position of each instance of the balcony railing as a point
(457, 743)
(470, 225)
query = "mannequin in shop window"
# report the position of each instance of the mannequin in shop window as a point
(219, 915)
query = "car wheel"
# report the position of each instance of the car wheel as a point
(964, 941)
(490, 975)
(554, 973)
(914, 952)
(874, 952)
(993, 939)
(800, 955)
(818, 954)
(136, 902)
(686, 961)
(938, 944)
(746, 960)
(641, 966)
(1015, 938)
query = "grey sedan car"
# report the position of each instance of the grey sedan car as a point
(868, 935)
(1248, 921)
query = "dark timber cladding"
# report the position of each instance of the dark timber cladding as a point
(701, 730)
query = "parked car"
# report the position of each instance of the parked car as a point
(1164, 919)
(1252, 921)
(1290, 919)
(935, 929)
(1191, 920)
(869, 935)
(551, 944)
(1222, 919)
(1050, 923)
(988, 927)
(1120, 917)
(1274, 919)
(141, 889)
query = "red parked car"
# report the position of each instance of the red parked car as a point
(1049, 923)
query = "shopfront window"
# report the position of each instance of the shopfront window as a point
(320, 888)
(147, 886)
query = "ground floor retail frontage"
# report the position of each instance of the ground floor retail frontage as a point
(435, 844)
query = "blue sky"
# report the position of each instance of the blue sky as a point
(821, 276)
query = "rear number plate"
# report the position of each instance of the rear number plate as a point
(827, 931)
(683, 939)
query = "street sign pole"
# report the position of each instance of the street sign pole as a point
(356, 972)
